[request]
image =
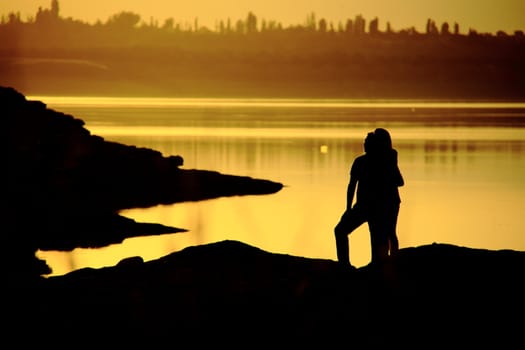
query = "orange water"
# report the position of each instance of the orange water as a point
(463, 163)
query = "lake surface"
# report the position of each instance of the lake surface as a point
(463, 164)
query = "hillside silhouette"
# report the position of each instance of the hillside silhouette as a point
(250, 57)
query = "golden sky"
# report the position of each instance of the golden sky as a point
(481, 15)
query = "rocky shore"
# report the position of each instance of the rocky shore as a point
(63, 188)
(232, 294)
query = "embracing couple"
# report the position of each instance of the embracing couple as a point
(374, 179)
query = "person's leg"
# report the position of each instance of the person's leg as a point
(379, 237)
(393, 240)
(393, 244)
(342, 246)
(350, 220)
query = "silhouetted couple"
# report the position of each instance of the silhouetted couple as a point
(374, 179)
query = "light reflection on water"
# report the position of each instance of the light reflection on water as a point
(464, 185)
(153, 102)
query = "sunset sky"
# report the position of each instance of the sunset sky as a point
(481, 15)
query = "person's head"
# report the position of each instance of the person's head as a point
(369, 142)
(383, 139)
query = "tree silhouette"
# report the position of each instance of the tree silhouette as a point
(251, 23)
(431, 27)
(359, 25)
(349, 27)
(124, 20)
(374, 26)
(445, 30)
(55, 8)
(456, 28)
(311, 22)
(323, 25)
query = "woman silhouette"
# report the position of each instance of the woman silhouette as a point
(374, 179)
(388, 183)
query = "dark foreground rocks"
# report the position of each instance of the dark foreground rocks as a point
(63, 187)
(230, 293)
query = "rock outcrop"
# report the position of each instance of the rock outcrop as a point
(232, 294)
(63, 187)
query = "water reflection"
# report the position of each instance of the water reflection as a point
(464, 185)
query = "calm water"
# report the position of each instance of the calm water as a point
(463, 163)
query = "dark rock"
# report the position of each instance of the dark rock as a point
(131, 261)
(63, 187)
(231, 293)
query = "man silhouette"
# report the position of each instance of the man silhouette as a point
(374, 179)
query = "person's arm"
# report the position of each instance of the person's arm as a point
(398, 176)
(350, 192)
(352, 184)
(400, 179)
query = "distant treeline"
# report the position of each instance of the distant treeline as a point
(257, 57)
(49, 28)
